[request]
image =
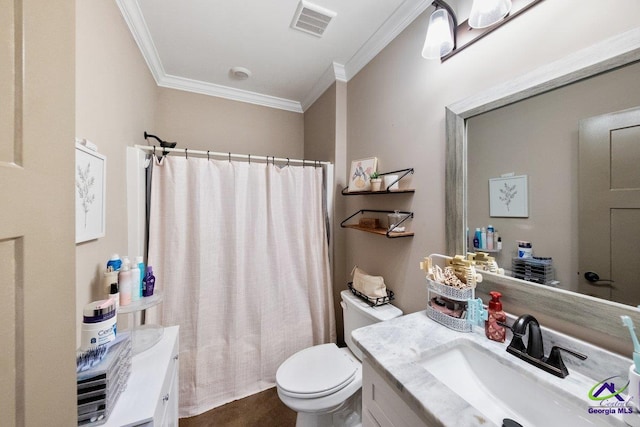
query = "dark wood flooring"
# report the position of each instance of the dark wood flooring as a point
(259, 410)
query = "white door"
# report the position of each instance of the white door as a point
(37, 252)
(609, 206)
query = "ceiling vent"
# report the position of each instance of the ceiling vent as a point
(312, 19)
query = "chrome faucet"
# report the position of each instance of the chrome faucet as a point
(533, 352)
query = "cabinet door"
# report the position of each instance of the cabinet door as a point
(381, 404)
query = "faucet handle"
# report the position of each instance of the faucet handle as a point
(555, 359)
(555, 352)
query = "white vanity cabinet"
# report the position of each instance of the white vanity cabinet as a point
(151, 396)
(381, 404)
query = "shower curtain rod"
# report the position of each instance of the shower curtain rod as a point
(187, 152)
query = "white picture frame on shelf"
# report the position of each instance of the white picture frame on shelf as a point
(91, 168)
(508, 197)
(360, 176)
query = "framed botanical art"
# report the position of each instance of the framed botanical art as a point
(508, 197)
(360, 176)
(90, 194)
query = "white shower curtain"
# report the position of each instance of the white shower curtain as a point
(240, 252)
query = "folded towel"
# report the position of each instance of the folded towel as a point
(371, 286)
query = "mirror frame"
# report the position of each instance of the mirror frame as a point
(582, 311)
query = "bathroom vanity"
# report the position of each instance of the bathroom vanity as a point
(151, 395)
(417, 372)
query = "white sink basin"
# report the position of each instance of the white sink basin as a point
(498, 390)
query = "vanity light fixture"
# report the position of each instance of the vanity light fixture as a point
(440, 39)
(485, 13)
(445, 37)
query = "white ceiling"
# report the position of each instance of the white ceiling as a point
(192, 45)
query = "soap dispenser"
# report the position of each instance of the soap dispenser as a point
(492, 329)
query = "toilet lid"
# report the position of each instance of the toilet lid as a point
(316, 371)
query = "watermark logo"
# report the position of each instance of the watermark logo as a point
(608, 397)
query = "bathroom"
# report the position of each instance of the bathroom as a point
(394, 108)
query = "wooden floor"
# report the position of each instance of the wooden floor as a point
(260, 410)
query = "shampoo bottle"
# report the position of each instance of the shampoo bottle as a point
(492, 329)
(483, 239)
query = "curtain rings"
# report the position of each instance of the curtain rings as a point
(287, 162)
(229, 156)
(208, 155)
(185, 154)
(249, 159)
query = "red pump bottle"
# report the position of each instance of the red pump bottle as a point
(492, 329)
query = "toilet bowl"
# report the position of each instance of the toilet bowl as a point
(322, 383)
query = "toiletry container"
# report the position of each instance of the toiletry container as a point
(124, 280)
(114, 262)
(142, 269)
(492, 329)
(483, 239)
(490, 237)
(135, 283)
(524, 249)
(632, 415)
(98, 324)
(395, 219)
(109, 278)
(323, 383)
(149, 282)
(114, 294)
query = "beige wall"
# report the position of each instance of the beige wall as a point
(115, 103)
(396, 112)
(208, 123)
(538, 137)
(117, 100)
(320, 127)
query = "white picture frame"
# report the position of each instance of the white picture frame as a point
(509, 197)
(360, 176)
(91, 186)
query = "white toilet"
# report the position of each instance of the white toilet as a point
(322, 383)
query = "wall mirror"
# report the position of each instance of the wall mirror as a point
(471, 117)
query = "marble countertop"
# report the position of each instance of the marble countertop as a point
(396, 346)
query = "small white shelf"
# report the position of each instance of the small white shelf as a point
(143, 336)
(141, 304)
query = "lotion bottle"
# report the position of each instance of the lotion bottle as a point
(124, 280)
(135, 283)
(492, 329)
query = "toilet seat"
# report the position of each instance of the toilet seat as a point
(315, 372)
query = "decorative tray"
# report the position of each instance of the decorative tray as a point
(370, 300)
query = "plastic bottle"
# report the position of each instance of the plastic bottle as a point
(114, 262)
(135, 283)
(499, 244)
(124, 280)
(140, 263)
(114, 294)
(476, 239)
(483, 239)
(492, 329)
(149, 282)
(490, 237)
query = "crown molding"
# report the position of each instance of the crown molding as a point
(404, 15)
(333, 72)
(138, 26)
(204, 88)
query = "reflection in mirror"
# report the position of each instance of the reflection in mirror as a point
(591, 319)
(539, 137)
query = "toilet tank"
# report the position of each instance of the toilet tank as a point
(357, 314)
